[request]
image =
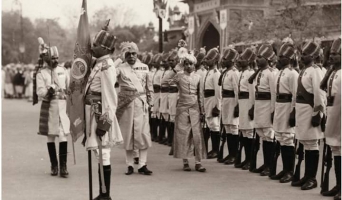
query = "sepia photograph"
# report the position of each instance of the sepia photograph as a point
(171, 100)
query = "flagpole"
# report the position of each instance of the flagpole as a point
(90, 176)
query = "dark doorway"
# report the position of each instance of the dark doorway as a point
(211, 37)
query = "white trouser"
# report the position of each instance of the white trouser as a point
(213, 123)
(310, 144)
(105, 155)
(248, 133)
(231, 129)
(142, 157)
(62, 137)
(285, 139)
(336, 150)
(266, 134)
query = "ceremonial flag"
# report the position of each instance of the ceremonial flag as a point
(79, 73)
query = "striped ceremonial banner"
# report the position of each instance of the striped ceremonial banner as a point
(79, 73)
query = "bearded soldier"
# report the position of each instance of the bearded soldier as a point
(135, 98)
(284, 114)
(246, 99)
(263, 79)
(102, 128)
(332, 83)
(212, 100)
(229, 85)
(164, 91)
(310, 109)
(52, 82)
(156, 79)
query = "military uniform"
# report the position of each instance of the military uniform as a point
(310, 107)
(54, 121)
(264, 107)
(286, 86)
(156, 81)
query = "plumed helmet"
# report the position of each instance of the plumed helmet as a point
(212, 57)
(266, 51)
(336, 46)
(53, 51)
(104, 39)
(310, 49)
(287, 50)
(230, 54)
(165, 56)
(248, 55)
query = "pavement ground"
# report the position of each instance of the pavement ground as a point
(26, 171)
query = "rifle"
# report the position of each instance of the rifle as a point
(223, 142)
(275, 155)
(300, 153)
(326, 163)
(254, 151)
(238, 154)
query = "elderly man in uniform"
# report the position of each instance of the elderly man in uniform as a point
(284, 114)
(332, 83)
(188, 133)
(135, 99)
(212, 100)
(229, 86)
(245, 102)
(263, 79)
(310, 109)
(100, 107)
(52, 82)
(156, 79)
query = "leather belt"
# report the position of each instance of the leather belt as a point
(330, 100)
(156, 88)
(262, 96)
(89, 99)
(164, 89)
(284, 98)
(228, 94)
(244, 95)
(301, 99)
(209, 93)
(173, 90)
(94, 93)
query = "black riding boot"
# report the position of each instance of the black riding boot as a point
(233, 149)
(267, 148)
(248, 153)
(162, 129)
(243, 145)
(313, 159)
(284, 161)
(215, 141)
(63, 152)
(53, 158)
(106, 175)
(206, 135)
(335, 190)
(289, 156)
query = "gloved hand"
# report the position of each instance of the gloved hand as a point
(272, 117)
(236, 111)
(251, 113)
(292, 120)
(100, 132)
(316, 119)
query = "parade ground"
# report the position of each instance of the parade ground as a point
(26, 171)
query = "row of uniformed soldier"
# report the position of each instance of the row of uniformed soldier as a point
(279, 104)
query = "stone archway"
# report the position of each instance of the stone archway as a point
(210, 37)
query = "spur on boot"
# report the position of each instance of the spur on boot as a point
(144, 170)
(130, 170)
